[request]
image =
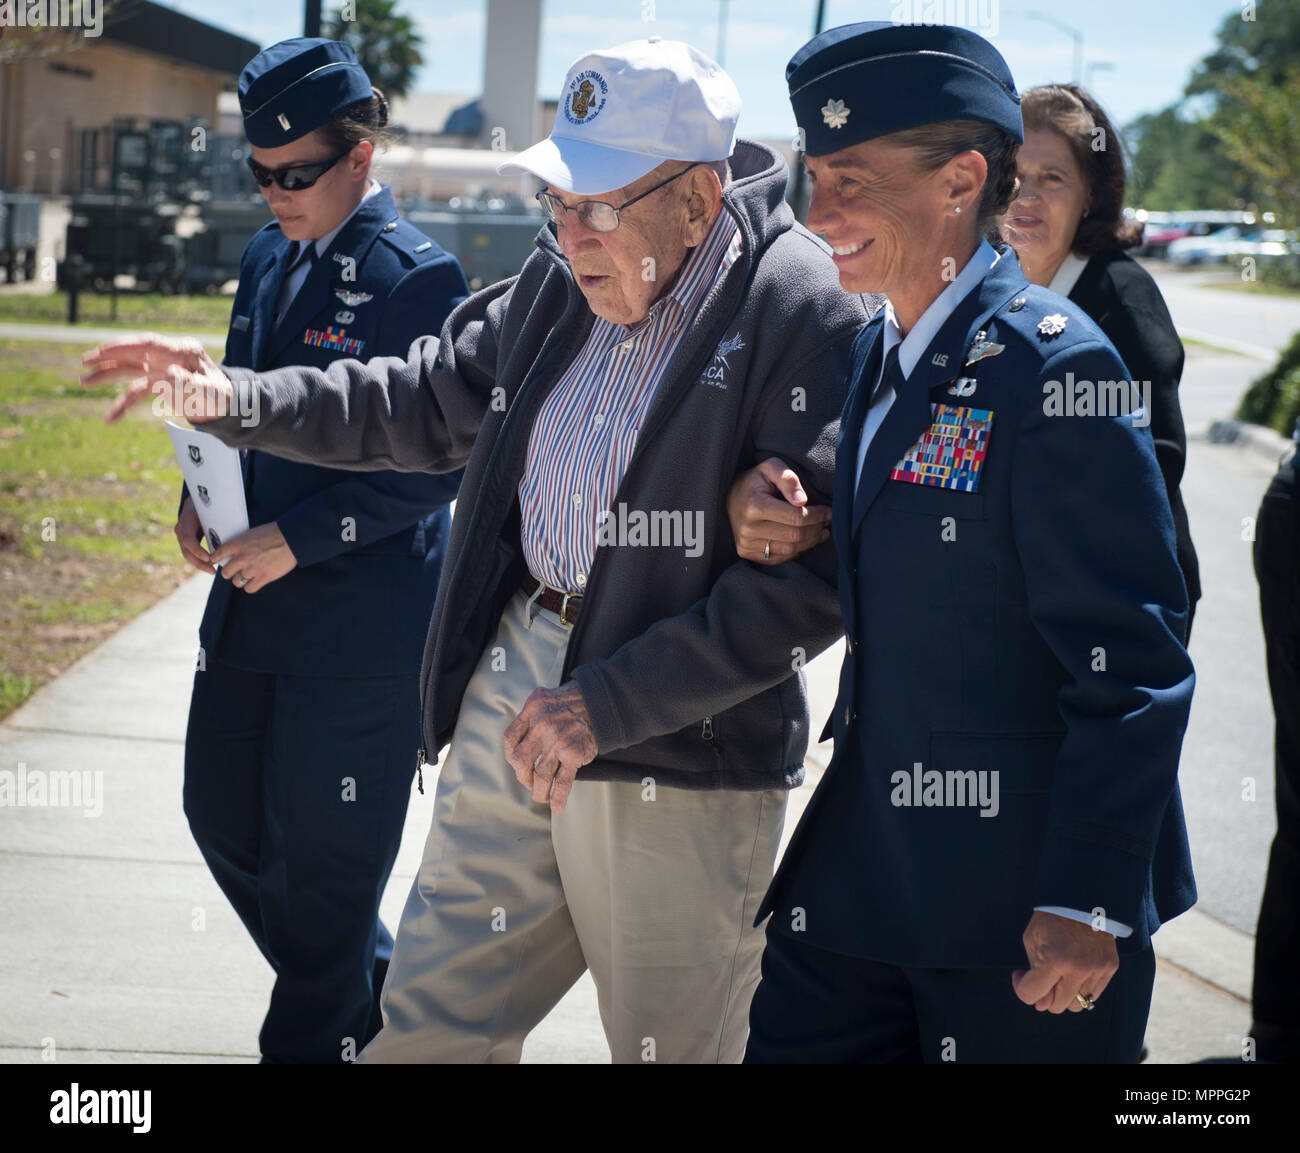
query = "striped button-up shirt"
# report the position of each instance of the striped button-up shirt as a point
(585, 432)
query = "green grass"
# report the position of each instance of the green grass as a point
(153, 312)
(1258, 287)
(86, 515)
(1207, 346)
(13, 691)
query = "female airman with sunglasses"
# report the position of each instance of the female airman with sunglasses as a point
(304, 720)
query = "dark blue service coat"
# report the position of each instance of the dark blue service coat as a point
(358, 603)
(1030, 627)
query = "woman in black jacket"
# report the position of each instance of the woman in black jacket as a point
(1068, 230)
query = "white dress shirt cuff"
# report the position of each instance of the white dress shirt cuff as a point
(1108, 925)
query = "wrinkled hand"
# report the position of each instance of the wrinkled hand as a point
(177, 369)
(1065, 957)
(768, 508)
(189, 532)
(260, 555)
(549, 741)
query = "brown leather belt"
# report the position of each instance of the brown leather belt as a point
(565, 605)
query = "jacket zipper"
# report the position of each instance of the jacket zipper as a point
(707, 731)
(570, 305)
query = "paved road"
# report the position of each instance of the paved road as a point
(1230, 734)
(85, 334)
(1264, 322)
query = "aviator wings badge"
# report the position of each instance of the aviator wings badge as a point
(352, 299)
(982, 348)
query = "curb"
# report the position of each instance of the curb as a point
(1263, 442)
(1228, 344)
(1208, 949)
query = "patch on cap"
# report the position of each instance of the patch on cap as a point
(585, 97)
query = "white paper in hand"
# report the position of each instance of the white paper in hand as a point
(215, 481)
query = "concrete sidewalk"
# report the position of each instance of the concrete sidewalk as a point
(119, 947)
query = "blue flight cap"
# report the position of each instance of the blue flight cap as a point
(292, 87)
(860, 81)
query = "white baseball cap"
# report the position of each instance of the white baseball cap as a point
(626, 110)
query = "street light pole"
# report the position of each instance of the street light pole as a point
(722, 33)
(1071, 31)
(311, 18)
(1096, 66)
(797, 185)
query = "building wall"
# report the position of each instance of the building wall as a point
(45, 98)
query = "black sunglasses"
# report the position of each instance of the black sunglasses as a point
(294, 178)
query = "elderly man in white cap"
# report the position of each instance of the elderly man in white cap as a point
(622, 696)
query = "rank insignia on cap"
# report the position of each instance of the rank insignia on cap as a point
(963, 386)
(284, 121)
(1052, 325)
(352, 299)
(981, 348)
(950, 454)
(835, 114)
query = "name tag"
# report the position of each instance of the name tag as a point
(950, 453)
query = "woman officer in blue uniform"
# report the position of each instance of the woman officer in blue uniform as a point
(304, 719)
(999, 831)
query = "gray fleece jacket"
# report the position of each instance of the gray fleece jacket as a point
(688, 664)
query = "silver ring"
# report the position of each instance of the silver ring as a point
(767, 550)
(240, 580)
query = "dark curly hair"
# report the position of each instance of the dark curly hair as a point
(1075, 116)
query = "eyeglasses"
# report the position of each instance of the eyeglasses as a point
(294, 178)
(596, 214)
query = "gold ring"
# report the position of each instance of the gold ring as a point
(1086, 1001)
(767, 551)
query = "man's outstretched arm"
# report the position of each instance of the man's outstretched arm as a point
(420, 413)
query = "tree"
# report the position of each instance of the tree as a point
(1261, 39)
(31, 42)
(1178, 163)
(1231, 151)
(385, 42)
(1260, 131)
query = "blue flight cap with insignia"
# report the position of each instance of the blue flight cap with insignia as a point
(297, 85)
(860, 81)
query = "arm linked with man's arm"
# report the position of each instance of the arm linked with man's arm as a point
(758, 624)
(420, 413)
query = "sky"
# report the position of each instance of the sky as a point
(1137, 54)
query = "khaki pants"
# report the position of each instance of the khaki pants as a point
(654, 889)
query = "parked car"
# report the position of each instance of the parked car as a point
(1218, 246)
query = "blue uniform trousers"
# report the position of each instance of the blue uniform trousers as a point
(818, 1007)
(296, 790)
